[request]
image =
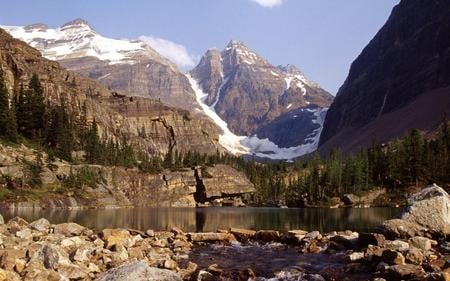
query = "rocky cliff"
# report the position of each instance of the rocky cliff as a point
(249, 94)
(400, 80)
(129, 67)
(165, 127)
(65, 185)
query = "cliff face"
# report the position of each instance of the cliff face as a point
(164, 127)
(400, 80)
(249, 94)
(114, 186)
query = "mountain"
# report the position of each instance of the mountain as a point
(271, 108)
(127, 66)
(401, 80)
(116, 115)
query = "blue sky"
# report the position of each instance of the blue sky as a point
(321, 37)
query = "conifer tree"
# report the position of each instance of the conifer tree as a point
(8, 126)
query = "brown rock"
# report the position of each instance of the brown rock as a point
(116, 237)
(246, 274)
(69, 229)
(211, 237)
(366, 239)
(267, 235)
(405, 272)
(243, 234)
(415, 256)
(393, 257)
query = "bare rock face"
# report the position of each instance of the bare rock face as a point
(400, 81)
(148, 124)
(255, 97)
(121, 187)
(221, 181)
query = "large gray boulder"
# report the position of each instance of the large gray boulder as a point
(430, 208)
(138, 271)
(428, 211)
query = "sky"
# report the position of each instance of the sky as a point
(320, 37)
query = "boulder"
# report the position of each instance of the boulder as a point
(117, 237)
(267, 235)
(392, 257)
(375, 239)
(397, 245)
(355, 256)
(398, 228)
(295, 236)
(2, 220)
(348, 241)
(415, 256)
(211, 236)
(41, 225)
(423, 243)
(430, 208)
(138, 271)
(350, 199)
(243, 234)
(69, 229)
(405, 272)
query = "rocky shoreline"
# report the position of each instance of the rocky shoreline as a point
(415, 247)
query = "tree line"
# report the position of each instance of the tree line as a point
(408, 161)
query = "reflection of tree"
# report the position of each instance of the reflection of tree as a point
(211, 219)
(200, 220)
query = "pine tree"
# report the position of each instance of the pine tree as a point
(31, 110)
(8, 125)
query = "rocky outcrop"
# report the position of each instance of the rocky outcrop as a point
(100, 186)
(148, 124)
(221, 181)
(255, 97)
(400, 80)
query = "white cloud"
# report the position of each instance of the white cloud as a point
(268, 3)
(177, 53)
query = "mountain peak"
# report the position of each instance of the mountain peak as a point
(290, 69)
(233, 44)
(78, 22)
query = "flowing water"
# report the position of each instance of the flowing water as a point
(211, 219)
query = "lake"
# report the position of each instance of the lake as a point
(211, 219)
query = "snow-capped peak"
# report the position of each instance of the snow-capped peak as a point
(76, 23)
(241, 54)
(77, 39)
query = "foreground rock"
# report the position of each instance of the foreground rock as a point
(139, 271)
(427, 211)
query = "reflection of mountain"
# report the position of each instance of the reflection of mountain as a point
(211, 219)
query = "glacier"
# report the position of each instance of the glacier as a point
(252, 145)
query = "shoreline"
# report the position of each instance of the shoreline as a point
(413, 247)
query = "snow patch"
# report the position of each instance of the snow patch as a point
(253, 145)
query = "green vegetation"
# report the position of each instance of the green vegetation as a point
(404, 162)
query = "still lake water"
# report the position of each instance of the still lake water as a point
(211, 219)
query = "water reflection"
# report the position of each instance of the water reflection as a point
(211, 219)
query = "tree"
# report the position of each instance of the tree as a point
(60, 136)
(31, 109)
(8, 126)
